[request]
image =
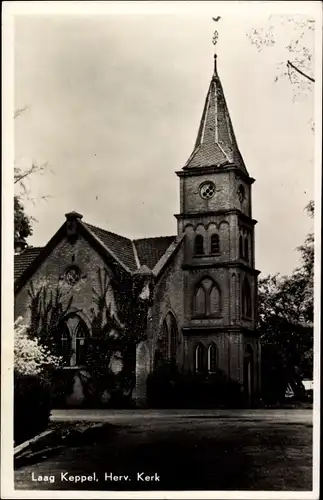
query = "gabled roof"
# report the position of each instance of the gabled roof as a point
(24, 259)
(216, 144)
(130, 254)
(150, 250)
(119, 245)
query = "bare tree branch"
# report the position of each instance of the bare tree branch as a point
(291, 65)
(20, 175)
(19, 111)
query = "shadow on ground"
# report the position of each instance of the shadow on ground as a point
(186, 454)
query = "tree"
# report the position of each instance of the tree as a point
(22, 221)
(30, 357)
(33, 369)
(285, 322)
(294, 36)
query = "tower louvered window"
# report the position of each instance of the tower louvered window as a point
(246, 249)
(246, 299)
(199, 245)
(241, 247)
(215, 243)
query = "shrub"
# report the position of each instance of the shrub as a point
(33, 367)
(167, 388)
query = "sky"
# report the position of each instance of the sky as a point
(114, 104)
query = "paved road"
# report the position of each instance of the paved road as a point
(183, 450)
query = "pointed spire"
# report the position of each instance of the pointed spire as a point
(215, 144)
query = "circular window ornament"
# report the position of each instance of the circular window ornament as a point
(207, 190)
(72, 275)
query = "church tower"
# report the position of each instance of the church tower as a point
(220, 279)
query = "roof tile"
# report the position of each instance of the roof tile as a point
(24, 259)
(150, 250)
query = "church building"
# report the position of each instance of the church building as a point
(190, 298)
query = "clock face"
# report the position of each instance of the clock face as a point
(207, 190)
(72, 275)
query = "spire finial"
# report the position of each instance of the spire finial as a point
(215, 41)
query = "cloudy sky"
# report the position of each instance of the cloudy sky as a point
(114, 103)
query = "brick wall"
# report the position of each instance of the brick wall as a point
(169, 297)
(49, 272)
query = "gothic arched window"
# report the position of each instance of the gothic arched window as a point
(214, 300)
(169, 341)
(215, 243)
(81, 332)
(246, 248)
(241, 193)
(246, 299)
(65, 347)
(200, 302)
(207, 298)
(74, 341)
(241, 247)
(212, 358)
(173, 337)
(199, 245)
(200, 358)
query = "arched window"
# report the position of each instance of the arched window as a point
(241, 193)
(246, 248)
(200, 359)
(199, 245)
(215, 243)
(74, 341)
(164, 343)
(81, 332)
(200, 301)
(248, 375)
(65, 347)
(240, 247)
(246, 299)
(214, 300)
(169, 340)
(212, 358)
(173, 337)
(207, 298)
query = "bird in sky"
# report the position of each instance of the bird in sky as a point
(216, 19)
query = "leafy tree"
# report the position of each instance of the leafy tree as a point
(285, 322)
(33, 370)
(22, 222)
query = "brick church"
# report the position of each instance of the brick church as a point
(193, 294)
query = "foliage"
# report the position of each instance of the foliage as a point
(47, 314)
(33, 367)
(30, 357)
(22, 222)
(167, 387)
(116, 335)
(285, 322)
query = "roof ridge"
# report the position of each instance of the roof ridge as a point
(106, 231)
(155, 237)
